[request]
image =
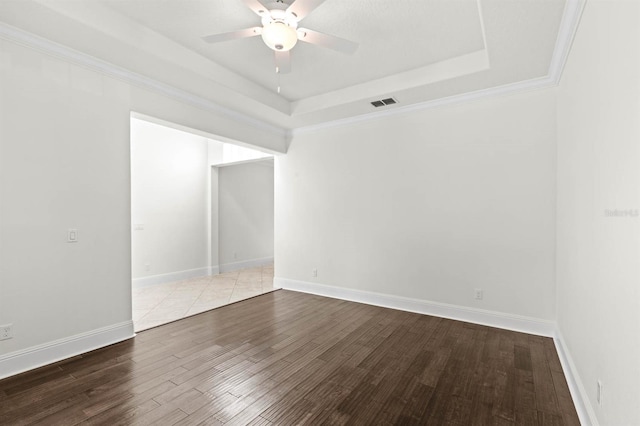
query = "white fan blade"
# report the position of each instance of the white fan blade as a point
(326, 40)
(283, 62)
(233, 35)
(257, 7)
(301, 8)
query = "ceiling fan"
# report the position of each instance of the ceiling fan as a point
(280, 30)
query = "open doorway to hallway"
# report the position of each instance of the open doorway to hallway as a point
(202, 222)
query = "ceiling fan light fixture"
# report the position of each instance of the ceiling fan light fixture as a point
(279, 36)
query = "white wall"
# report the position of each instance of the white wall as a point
(427, 206)
(598, 272)
(245, 215)
(169, 200)
(236, 154)
(64, 133)
(65, 163)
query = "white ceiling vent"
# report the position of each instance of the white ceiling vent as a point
(384, 102)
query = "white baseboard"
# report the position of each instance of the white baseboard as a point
(48, 353)
(461, 313)
(252, 263)
(37, 356)
(198, 272)
(585, 410)
(174, 276)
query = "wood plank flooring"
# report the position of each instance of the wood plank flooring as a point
(291, 358)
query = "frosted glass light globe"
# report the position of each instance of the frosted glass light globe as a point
(279, 36)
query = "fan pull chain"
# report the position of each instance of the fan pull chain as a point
(278, 79)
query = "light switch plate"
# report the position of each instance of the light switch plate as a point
(72, 235)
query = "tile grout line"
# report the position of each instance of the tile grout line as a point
(156, 305)
(236, 291)
(196, 299)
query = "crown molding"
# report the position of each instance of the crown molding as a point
(566, 33)
(399, 83)
(24, 38)
(568, 26)
(521, 86)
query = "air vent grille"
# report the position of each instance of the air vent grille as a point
(384, 102)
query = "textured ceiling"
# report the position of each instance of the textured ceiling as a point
(418, 51)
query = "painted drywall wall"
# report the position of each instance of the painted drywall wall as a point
(598, 266)
(236, 154)
(169, 200)
(64, 133)
(427, 206)
(65, 163)
(245, 213)
(214, 221)
(215, 157)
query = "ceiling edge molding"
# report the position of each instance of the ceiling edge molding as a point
(49, 47)
(568, 27)
(202, 133)
(566, 33)
(466, 64)
(482, 27)
(507, 89)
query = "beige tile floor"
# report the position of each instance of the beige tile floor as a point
(163, 303)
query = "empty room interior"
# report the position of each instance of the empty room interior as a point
(437, 221)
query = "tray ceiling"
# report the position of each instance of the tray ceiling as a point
(416, 51)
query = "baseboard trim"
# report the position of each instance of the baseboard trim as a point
(174, 276)
(251, 263)
(461, 313)
(585, 410)
(37, 356)
(518, 323)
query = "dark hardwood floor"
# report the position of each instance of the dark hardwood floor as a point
(291, 358)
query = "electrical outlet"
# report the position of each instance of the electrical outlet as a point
(314, 273)
(6, 331)
(478, 294)
(599, 392)
(147, 266)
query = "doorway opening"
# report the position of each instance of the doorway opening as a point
(202, 222)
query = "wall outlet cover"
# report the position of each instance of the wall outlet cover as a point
(6, 331)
